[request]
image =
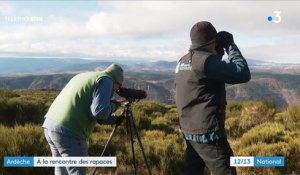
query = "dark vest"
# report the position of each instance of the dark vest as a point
(200, 101)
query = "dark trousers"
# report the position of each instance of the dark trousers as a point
(215, 156)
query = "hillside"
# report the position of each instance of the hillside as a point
(280, 89)
(253, 129)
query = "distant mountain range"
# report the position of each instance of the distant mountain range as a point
(36, 66)
(277, 83)
(281, 89)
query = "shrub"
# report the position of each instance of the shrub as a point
(256, 113)
(172, 117)
(6, 94)
(241, 118)
(148, 108)
(231, 126)
(264, 133)
(271, 139)
(143, 122)
(287, 149)
(164, 151)
(163, 124)
(18, 110)
(233, 108)
(290, 115)
(27, 140)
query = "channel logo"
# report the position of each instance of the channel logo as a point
(276, 18)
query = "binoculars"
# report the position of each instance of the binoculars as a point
(223, 41)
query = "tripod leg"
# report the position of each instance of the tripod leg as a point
(105, 147)
(141, 145)
(129, 126)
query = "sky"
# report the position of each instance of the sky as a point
(145, 30)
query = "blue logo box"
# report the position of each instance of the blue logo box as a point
(269, 161)
(18, 162)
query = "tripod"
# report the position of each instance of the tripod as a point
(130, 125)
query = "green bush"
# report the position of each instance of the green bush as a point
(241, 118)
(264, 133)
(290, 115)
(289, 150)
(172, 117)
(252, 127)
(231, 126)
(26, 106)
(25, 140)
(143, 122)
(232, 109)
(271, 139)
(18, 110)
(6, 94)
(164, 151)
(163, 124)
(254, 113)
(150, 108)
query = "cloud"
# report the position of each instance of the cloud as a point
(6, 8)
(250, 18)
(155, 29)
(135, 18)
(281, 51)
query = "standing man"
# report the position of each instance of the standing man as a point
(71, 118)
(201, 99)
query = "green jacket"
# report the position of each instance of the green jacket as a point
(71, 108)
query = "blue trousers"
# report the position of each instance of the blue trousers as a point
(65, 146)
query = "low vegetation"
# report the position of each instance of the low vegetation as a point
(255, 128)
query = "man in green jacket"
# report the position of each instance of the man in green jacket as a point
(71, 118)
(200, 81)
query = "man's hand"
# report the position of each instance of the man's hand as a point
(116, 103)
(224, 39)
(219, 50)
(119, 120)
(114, 119)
